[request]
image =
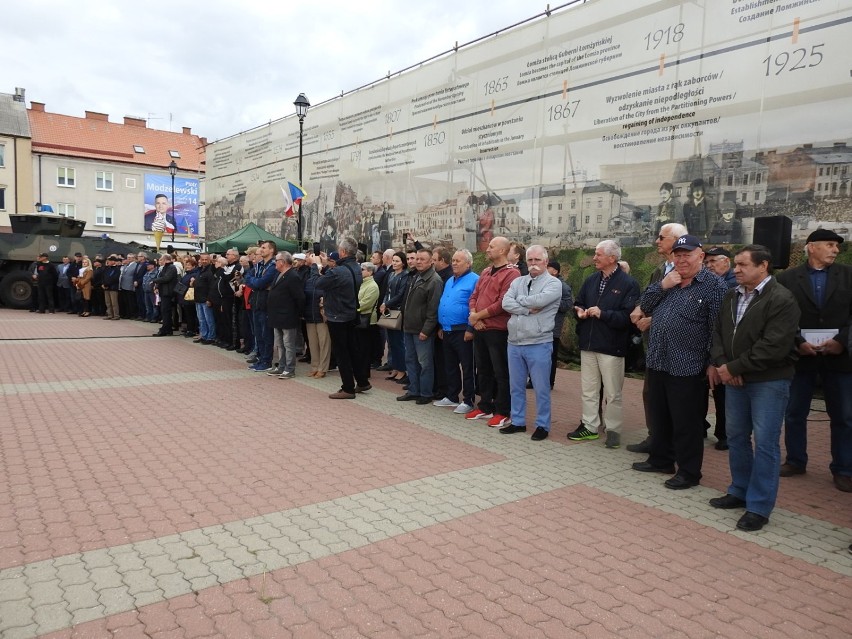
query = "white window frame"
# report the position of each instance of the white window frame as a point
(66, 177)
(2, 198)
(2, 155)
(104, 213)
(66, 210)
(106, 180)
(130, 183)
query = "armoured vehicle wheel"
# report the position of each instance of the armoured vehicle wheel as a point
(16, 289)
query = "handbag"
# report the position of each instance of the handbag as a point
(189, 296)
(364, 320)
(181, 288)
(391, 320)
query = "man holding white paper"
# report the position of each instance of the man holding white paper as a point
(823, 291)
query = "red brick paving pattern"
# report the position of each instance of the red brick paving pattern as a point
(80, 473)
(574, 562)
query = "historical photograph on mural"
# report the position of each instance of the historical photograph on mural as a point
(570, 129)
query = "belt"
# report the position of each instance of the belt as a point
(458, 327)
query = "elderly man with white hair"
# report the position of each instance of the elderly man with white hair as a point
(532, 302)
(603, 308)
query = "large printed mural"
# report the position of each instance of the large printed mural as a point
(604, 119)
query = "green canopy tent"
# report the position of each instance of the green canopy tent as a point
(247, 236)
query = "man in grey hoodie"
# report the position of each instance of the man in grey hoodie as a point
(532, 301)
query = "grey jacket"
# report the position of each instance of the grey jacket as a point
(525, 294)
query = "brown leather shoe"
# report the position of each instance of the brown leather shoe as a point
(788, 470)
(342, 395)
(843, 482)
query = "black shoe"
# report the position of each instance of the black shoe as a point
(161, 335)
(363, 389)
(646, 467)
(751, 522)
(679, 482)
(385, 368)
(402, 380)
(643, 447)
(305, 360)
(422, 401)
(722, 444)
(511, 428)
(406, 386)
(407, 397)
(539, 434)
(727, 502)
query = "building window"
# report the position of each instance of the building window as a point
(573, 204)
(745, 197)
(600, 219)
(745, 179)
(103, 180)
(174, 154)
(587, 219)
(730, 179)
(600, 202)
(756, 196)
(103, 215)
(560, 206)
(2, 155)
(66, 176)
(138, 148)
(550, 207)
(2, 199)
(66, 210)
(758, 178)
(821, 170)
(129, 183)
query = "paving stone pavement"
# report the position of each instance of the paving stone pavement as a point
(157, 488)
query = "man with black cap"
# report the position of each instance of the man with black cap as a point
(718, 261)
(684, 305)
(823, 291)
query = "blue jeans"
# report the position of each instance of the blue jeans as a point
(420, 364)
(396, 350)
(533, 361)
(754, 413)
(152, 311)
(838, 403)
(262, 337)
(206, 323)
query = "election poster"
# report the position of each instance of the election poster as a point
(182, 213)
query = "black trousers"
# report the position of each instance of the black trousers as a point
(491, 354)
(45, 297)
(166, 306)
(458, 360)
(676, 407)
(344, 345)
(720, 432)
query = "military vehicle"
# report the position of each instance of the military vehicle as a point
(55, 235)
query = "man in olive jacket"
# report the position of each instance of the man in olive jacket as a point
(419, 326)
(753, 354)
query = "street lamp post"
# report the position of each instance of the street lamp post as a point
(301, 105)
(173, 167)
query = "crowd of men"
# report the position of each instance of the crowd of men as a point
(476, 343)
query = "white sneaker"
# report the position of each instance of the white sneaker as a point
(445, 402)
(462, 409)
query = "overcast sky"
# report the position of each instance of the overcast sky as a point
(224, 66)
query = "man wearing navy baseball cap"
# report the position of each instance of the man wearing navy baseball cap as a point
(684, 305)
(823, 291)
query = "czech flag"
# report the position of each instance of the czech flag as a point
(293, 194)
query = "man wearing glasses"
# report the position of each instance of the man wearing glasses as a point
(669, 234)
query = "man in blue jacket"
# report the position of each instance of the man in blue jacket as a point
(259, 279)
(457, 335)
(603, 308)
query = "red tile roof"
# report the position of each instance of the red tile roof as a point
(97, 138)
